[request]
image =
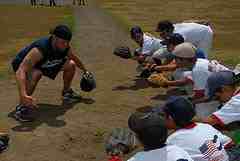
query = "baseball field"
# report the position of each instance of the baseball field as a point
(76, 132)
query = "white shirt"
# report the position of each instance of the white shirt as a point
(200, 74)
(202, 70)
(167, 153)
(150, 45)
(195, 141)
(197, 34)
(230, 112)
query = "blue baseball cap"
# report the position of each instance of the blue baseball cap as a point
(180, 109)
(219, 79)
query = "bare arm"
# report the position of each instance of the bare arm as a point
(169, 67)
(32, 58)
(75, 58)
(212, 120)
(202, 99)
(177, 83)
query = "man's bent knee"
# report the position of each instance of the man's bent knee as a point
(69, 65)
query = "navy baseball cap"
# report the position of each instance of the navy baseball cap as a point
(139, 121)
(149, 127)
(219, 79)
(180, 109)
(63, 32)
(136, 30)
(174, 38)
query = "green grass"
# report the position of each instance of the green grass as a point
(224, 15)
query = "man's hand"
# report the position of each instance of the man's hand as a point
(28, 101)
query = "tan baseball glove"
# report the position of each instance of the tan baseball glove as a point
(158, 79)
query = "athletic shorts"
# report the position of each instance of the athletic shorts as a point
(50, 71)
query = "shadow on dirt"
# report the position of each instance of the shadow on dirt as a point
(48, 114)
(173, 91)
(139, 83)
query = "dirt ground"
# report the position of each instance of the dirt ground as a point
(75, 133)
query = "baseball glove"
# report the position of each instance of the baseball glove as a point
(120, 141)
(123, 52)
(87, 83)
(158, 79)
(146, 73)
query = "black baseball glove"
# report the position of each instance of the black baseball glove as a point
(123, 52)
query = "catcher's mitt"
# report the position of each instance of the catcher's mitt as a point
(87, 83)
(120, 141)
(146, 73)
(123, 52)
(158, 79)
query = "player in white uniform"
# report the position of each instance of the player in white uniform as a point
(201, 69)
(201, 141)
(147, 44)
(223, 87)
(151, 132)
(199, 35)
(185, 57)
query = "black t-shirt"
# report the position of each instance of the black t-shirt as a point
(51, 57)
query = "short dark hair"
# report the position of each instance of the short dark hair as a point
(165, 25)
(135, 30)
(174, 39)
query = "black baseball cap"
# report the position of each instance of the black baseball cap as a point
(63, 32)
(174, 38)
(149, 127)
(180, 109)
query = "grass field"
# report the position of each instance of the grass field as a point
(21, 24)
(224, 15)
